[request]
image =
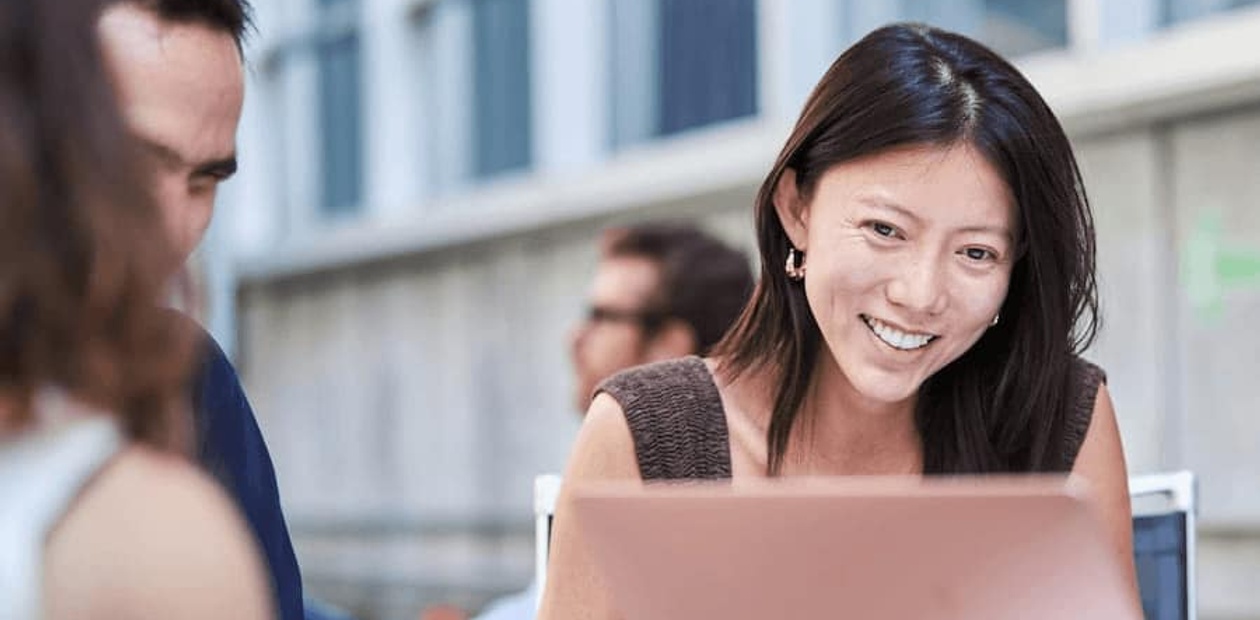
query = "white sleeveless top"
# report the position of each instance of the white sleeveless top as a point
(42, 471)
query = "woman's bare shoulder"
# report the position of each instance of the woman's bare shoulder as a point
(153, 537)
(604, 447)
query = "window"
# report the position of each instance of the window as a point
(311, 87)
(1010, 27)
(472, 65)
(1123, 23)
(708, 71)
(1178, 11)
(501, 88)
(339, 92)
(679, 65)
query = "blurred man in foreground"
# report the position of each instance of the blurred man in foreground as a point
(178, 71)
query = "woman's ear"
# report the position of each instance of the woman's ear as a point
(792, 209)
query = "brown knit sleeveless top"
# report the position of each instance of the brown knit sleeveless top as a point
(678, 424)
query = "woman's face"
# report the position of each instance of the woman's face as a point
(908, 260)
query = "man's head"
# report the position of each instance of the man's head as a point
(661, 291)
(177, 68)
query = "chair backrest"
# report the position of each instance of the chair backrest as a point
(1164, 544)
(546, 490)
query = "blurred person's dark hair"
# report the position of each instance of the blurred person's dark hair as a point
(233, 16)
(703, 282)
(1002, 406)
(80, 243)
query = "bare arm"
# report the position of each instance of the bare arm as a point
(154, 538)
(1101, 462)
(604, 450)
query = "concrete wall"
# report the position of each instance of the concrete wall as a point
(1179, 340)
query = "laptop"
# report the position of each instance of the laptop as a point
(868, 548)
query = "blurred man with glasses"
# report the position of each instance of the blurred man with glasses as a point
(660, 291)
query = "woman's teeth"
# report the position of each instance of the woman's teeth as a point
(895, 338)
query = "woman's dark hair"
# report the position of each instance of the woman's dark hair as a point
(1002, 406)
(83, 252)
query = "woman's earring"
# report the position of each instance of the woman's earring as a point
(795, 270)
(997, 317)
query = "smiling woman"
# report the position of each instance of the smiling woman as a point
(910, 255)
(927, 286)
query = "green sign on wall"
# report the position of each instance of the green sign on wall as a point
(1211, 267)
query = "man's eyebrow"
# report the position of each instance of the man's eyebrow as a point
(217, 168)
(220, 168)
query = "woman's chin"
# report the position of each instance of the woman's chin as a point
(883, 387)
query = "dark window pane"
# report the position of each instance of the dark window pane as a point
(708, 62)
(340, 136)
(501, 92)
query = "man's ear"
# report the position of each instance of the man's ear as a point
(673, 339)
(792, 209)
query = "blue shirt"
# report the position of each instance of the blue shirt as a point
(230, 446)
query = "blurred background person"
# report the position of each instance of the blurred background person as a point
(100, 514)
(662, 290)
(178, 71)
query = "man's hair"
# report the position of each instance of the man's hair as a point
(704, 282)
(232, 16)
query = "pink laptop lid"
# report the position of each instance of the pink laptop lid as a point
(1027, 548)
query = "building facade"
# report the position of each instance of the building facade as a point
(422, 183)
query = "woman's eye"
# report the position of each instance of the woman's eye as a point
(883, 230)
(979, 254)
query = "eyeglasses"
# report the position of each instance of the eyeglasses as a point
(648, 319)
